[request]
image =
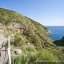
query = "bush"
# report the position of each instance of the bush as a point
(29, 55)
(46, 56)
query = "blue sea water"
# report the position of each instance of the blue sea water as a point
(57, 32)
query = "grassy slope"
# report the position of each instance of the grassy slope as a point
(37, 32)
(40, 48)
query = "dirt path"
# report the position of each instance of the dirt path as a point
(3, 56)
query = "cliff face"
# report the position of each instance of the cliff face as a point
(24, 29)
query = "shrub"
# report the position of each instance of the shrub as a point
(46, 56)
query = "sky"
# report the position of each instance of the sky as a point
(46, 12)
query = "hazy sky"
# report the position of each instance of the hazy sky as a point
(47, 12)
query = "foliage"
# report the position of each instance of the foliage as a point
(46, 56)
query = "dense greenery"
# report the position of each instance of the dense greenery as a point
(31, 37)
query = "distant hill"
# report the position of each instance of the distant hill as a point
(59, 42)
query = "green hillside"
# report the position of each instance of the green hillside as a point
(33, 32)
(30, 37)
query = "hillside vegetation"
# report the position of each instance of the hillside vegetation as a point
(30, 37)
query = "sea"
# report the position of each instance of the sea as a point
(56, 32)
